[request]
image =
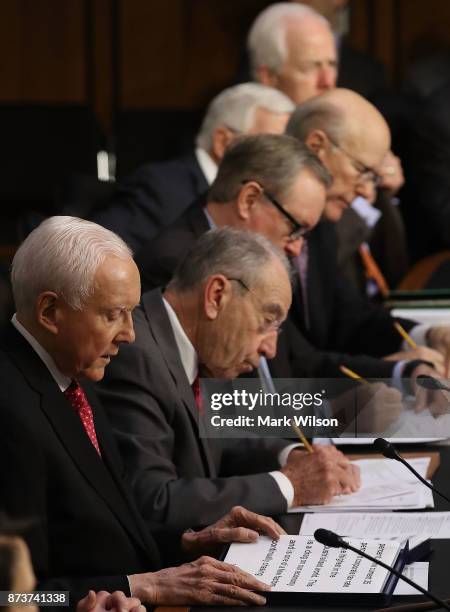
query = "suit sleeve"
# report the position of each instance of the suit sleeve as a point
(136, 210)
(157, 440)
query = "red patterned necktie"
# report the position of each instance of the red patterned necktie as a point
(197, 394)
(78, 400)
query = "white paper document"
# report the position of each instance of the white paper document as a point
(386, 485)
(300, 564)
(388, 524)
(417, 572)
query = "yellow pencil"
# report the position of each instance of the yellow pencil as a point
(404, 334)
(302, 438)
(352, 374)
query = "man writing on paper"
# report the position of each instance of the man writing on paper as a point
(147, 389)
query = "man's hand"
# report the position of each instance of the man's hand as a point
(239, 525)
(438, 337)
(202, 582)
(375, 407)
(421, 352)
(115, 602)
(436, 401)
(317, 477)
(391, 173)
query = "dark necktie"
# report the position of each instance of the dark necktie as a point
(78, 400)
(301, 265)
(197, 394)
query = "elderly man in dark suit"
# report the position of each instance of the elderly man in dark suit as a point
(75, 285)
(157, 430)
(157, 193)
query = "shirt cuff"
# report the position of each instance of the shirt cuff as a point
(284, 454)
(286, 487)
(418, 333)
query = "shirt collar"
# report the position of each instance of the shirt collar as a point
(188, 354)
(207, 164)
(61, 379)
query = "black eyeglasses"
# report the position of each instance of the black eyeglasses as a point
(269, 325)
(366, 173)
(299, 230)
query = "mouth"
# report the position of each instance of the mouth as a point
(108, 356)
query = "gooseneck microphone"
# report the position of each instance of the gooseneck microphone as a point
(388, 450)
(329, 538)
(430, 383)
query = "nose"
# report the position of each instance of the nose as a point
(127, 334)
(327, 77)
(366, 189)
(268, 346)
(293, 247)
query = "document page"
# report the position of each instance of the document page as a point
(373, 524)
(386, 485)
(300, 564)
(418, 572)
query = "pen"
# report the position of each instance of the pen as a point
(352, 374)
(302, 438)
(404, 334)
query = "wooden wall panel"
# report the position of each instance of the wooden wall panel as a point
(179, 53)
(42, 51)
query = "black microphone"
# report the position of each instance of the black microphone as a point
(430, 383)
(329, 538)
(388, 450)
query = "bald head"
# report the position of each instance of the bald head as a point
(351, 138)
(292, 48)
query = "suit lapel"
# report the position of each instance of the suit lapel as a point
(162, 332)
(69, 429)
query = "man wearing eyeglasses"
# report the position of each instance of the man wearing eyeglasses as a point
(351, 138)
(276, 187)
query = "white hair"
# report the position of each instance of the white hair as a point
(235, 108)
(266, 41)
(62, 255)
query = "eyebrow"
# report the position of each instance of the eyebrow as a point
(274, 309)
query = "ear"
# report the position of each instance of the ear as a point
(217, 294)
(317, 142)
(246, 199)
(266, 76)
(221, 139)
(47, 311)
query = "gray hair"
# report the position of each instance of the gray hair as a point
(266, 41)
(62, 255)
(236, 254)
(274, 161)
(235, 108)
(318, 114)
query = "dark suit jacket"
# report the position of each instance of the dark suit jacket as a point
(387, 241)
(179, 478)
(345, 328)
(152, 197)
(87, 532)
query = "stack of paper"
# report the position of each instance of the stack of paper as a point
(392, 525)
(386, 485)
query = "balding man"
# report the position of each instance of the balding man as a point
(157, 193)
